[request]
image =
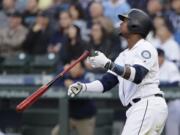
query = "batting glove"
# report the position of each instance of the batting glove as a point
(99, 60)
(76, 88)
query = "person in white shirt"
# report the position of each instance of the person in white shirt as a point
(168, 72)
(170, 77)
(167, 41)
(136, 71)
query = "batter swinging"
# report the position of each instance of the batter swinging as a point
(136, 70)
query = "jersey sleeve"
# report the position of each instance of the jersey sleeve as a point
(145, 58)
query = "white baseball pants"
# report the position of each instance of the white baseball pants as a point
(146, 117)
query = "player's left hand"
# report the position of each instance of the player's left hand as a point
(99, 60)
(76, 88)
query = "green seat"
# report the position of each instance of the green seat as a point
(44, 63)
(15, 64)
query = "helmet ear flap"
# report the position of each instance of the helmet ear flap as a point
(132, 27)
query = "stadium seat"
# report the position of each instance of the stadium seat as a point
(15, 64)
(44, 63)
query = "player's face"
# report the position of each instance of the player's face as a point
(124, 28)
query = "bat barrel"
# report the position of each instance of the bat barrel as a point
(38, 93)
(31, 99)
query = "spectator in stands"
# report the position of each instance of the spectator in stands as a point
(85, 3)
(37, 40)
(82, 111)
(96, 12)
(169, 73)
(21, 5)
(154, 7)
(166, 40)
(31, 12)
(174, 17)
(56, 8)
(106, 24)
(77, 14)
(110, 31)
(158, 21)
(60, 36)
(59, 6)
(140, 4)
(12, 37)
(74, 45)
(101, 41)
(8, 8)
(45, 4)
(169, 77)
(114, 7)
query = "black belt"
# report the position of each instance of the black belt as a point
(135, 100)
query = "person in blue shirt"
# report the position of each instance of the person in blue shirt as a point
(59, 37)
(174, 16)
(81, 111)
(114, 7)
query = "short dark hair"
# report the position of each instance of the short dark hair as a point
(79, 8)
(43, 14)
(160, 52)
(168, 24)
(16, 14)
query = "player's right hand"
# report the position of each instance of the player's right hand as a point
(99, 60)
(76, 88)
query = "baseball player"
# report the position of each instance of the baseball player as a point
(136, 70)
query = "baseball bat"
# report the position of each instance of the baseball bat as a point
(39, 92)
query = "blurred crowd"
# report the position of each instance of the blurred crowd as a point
(68, 27)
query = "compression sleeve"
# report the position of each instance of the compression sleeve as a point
(140, 73)
(107, 82)
(135, 73)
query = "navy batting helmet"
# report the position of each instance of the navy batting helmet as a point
(138, 22)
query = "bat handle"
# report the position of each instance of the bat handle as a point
(82, 57)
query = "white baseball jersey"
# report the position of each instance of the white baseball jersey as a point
(144, 54)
